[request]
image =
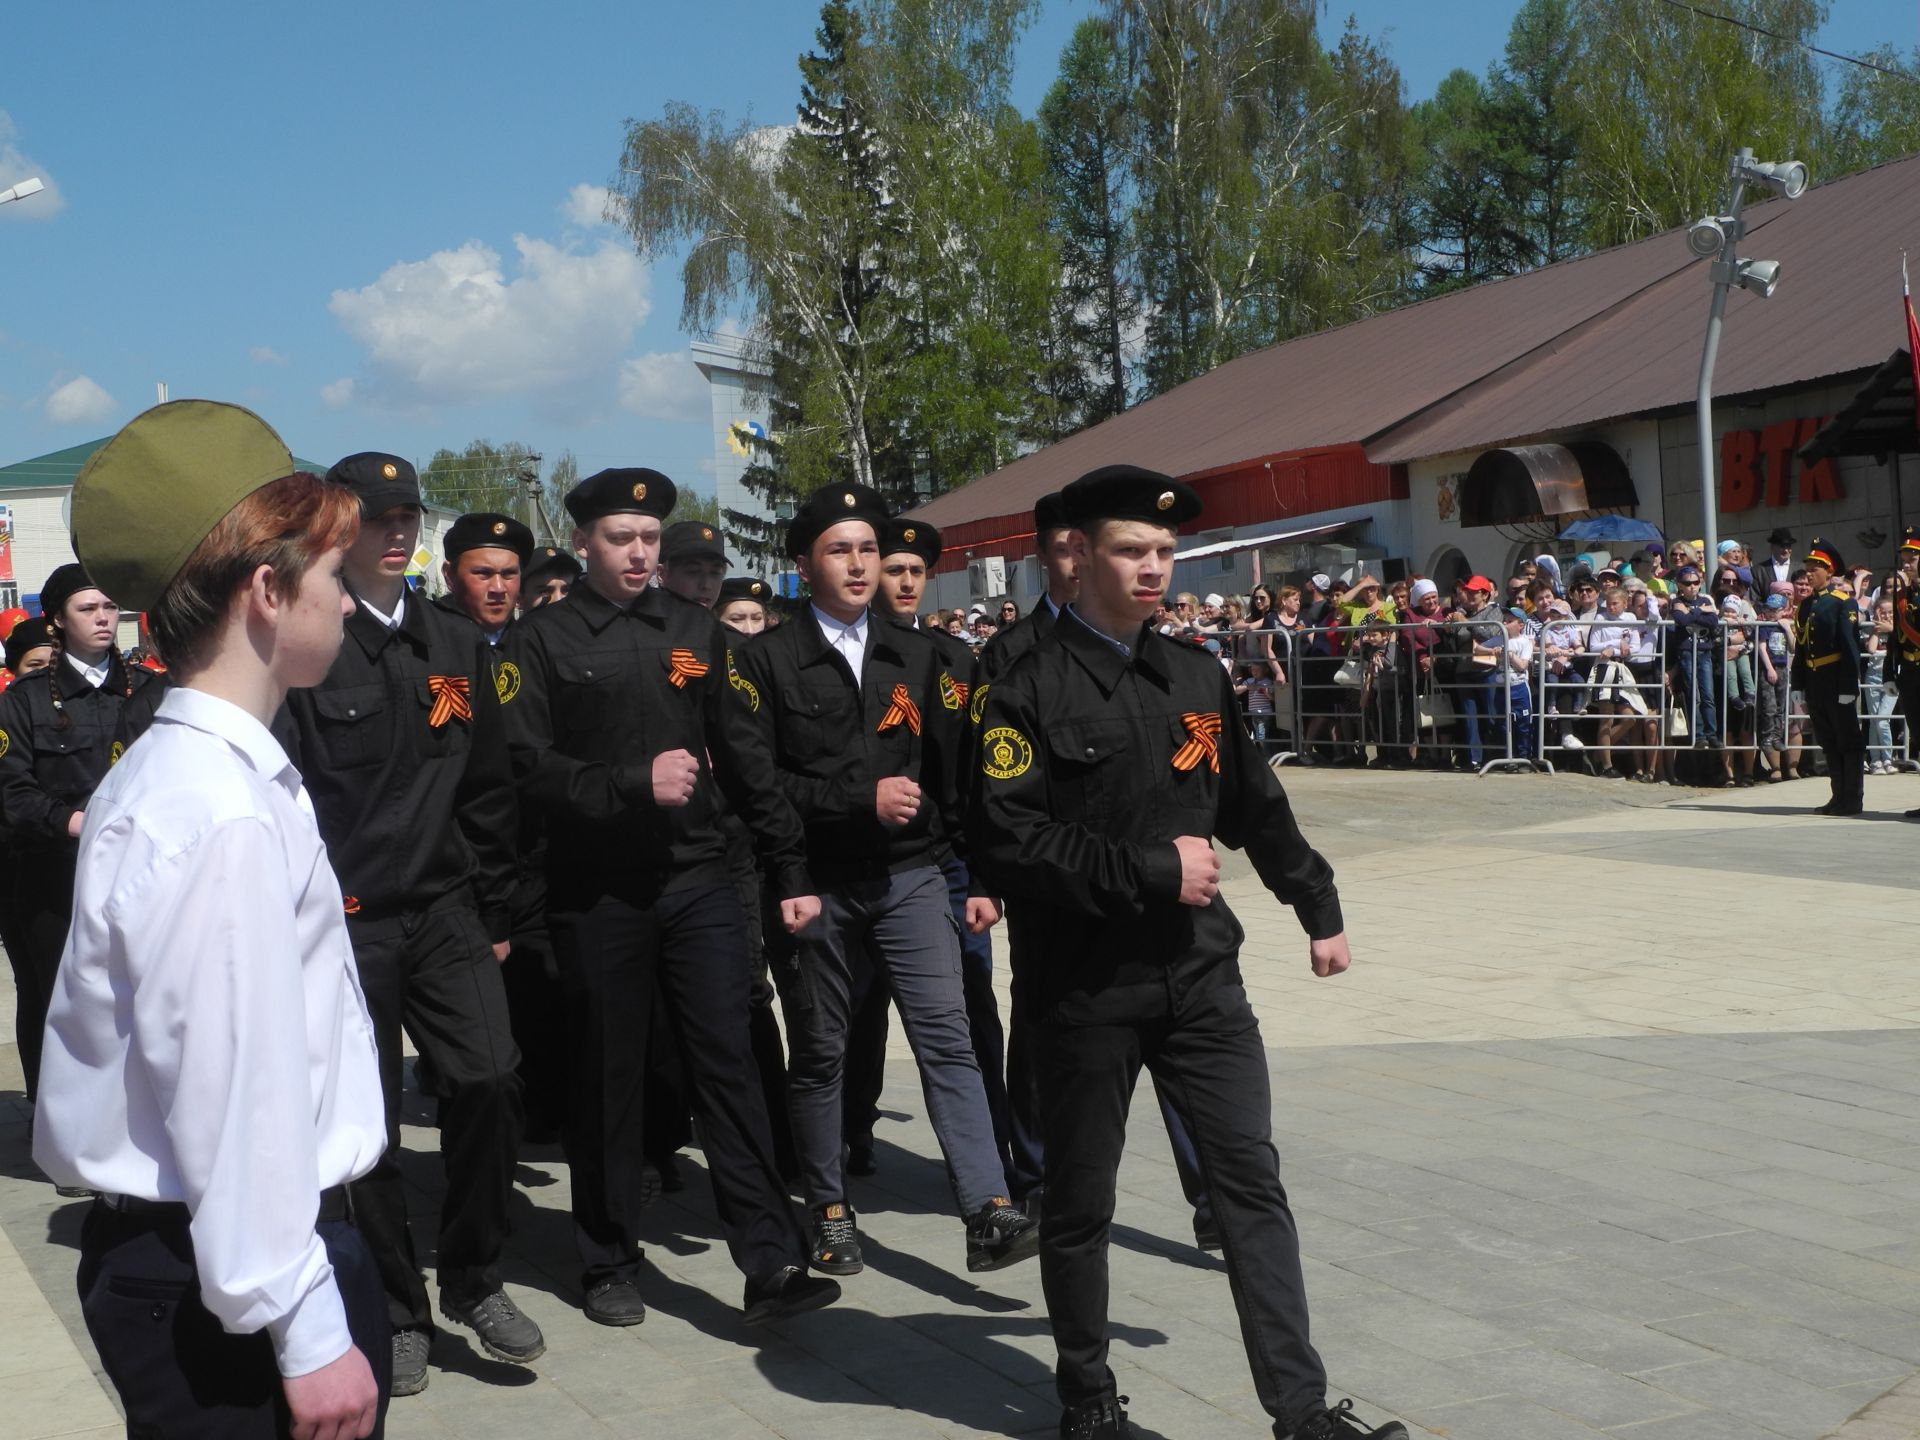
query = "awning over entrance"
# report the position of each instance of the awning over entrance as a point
(1878, 421)
(1261, 542)
(1530, 482)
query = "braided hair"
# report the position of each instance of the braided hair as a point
(62, 720)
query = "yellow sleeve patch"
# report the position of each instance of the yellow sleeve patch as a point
(979, 706)
(506, 681)
(5, 743)
(953, 694)
(1005, 753)
(113, 755)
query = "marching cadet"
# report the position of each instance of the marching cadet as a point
(1906, 644)
(58, 732)
(1109, 760)
(1826, 668)
(693, 561)
(622, 720)
(548, 577)
(1052, 540)
(864, 724)
(909, 551)
(210, 1064)
(741, 605)
(32, 645)
(403, 752)
(487, 554)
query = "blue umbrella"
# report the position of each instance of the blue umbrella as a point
(1612, 527)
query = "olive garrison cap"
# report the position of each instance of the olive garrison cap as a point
(549, 562)
(637, 491)
(915, 537)
(743, 587)
(153, 492)
(485, 530)
(1128, 492)
(691, 540)
(829, 506)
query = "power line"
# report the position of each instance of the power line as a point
(1793, 40)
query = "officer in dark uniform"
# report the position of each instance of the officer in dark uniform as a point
(548, 577)
(866, 728)
(1826, 668)
(622, 720)
(486, 556)
(1110, 759)
(1906, 644)
(404, 756)
(60, 729)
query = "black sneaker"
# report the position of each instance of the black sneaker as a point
(615, 1302)
(410, 1361)
(1002, 1234)
(1338, 1422)
(505, 1330)
(1101, 1419)
(787, 1291)
(836, 1240)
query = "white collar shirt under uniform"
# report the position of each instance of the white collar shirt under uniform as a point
(208, 1040)
(94, 675)
(850, 639)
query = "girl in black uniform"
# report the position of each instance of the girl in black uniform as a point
(59, 731)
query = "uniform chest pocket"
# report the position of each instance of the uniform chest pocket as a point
(444, 714)
(816, 724)
(352, 724)
(1089, 771)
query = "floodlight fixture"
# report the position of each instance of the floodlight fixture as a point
(32, 185)
(1759, 276)
(1783, 177)
(1708, 234)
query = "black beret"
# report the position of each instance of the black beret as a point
(1049, 514)
(29, 634)
(743, 587)
(622, 492)
(61, 586)
(827, 507)
(547, 562)
(916, 537)
(1128, 492)
(381, 481)
(691, 540)
(1825, 554)
(486, 530)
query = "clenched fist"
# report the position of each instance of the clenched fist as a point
(896, 800)
(1199, 870)
(674, 775)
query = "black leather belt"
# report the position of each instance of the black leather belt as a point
(333, 1206)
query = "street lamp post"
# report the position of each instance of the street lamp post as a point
(30, 186)
(1715, 237)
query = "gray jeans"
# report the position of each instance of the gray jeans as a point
(905, 923)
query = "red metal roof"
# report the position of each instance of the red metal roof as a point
(1587, 340)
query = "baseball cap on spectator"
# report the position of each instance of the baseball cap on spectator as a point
(1480, 583)
(1516, 612)
(1744, 575)
(1214, 600)
(1421, 589)
(1322, 581)
(1610, 574)
(1557, 606)
(1686, 573)
(1777, 602)
(1212, 647)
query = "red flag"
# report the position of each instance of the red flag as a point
(1913, 337)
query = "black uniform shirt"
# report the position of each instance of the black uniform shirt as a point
(49, 765)
(592, 693)
(834, 741)
(1827, 642)
(1014, 641)
(1090, 764)
(414, 813)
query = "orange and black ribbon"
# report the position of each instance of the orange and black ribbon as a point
(1203, 742)
(953, 693)
(685, 667)
(451, 697)
(351, 904)
(901, 710)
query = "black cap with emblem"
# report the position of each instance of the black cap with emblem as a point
(691, 540)
(914, 537)
(486, 530)
(547, 562)
(827, 507)
(1049, 515)
(382, 481)
(29, 634)
(743, 587)
(1129, 492)
(621, 492)
(61, 586)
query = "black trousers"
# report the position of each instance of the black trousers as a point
(538, 1018)
(434, 975)
(1908, 683)
(688, 946)
(36, 906)
(1842, 741)
(177, 1372)
(1209, 1061)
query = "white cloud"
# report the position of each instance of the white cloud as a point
(336, 394)
(266, 355)
(454, 327)
(16, 166)
(80, 402)
(586, 205)
(664, 385)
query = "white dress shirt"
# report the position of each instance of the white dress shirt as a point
(208, 1041)
(849, 639)
(94, 675)
(392, 622)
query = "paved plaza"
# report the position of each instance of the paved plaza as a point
(1613, 1129)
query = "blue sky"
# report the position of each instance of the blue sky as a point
(376, 223)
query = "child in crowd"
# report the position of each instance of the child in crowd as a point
(1877, 695)
(1255, 689)
(1773, 650)
(1738, 765)
(1519, 664)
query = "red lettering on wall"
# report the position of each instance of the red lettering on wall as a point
(1822, 481)
(1776, 452)
(1739, 482)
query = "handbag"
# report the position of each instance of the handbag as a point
(1677, 724)
(1433, 711)
(1351, 673)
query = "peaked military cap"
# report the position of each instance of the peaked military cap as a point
(1911, 540)
(743, 587)
(691, 540)
(915, 537)
(485, 530)
(1821, 553)
(1128, 492)
(1049, 514)
(382, 481)
(152, 493)
(636, 491)
(827, 507)
(547, 562)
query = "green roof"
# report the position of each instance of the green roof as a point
(61, 467)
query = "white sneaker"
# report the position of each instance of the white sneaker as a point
(1573, 742)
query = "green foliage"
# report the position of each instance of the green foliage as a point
(1877, 117)
(483, 476)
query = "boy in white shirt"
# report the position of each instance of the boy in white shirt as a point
(1518, 666)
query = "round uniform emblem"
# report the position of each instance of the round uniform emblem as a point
(979, 706)
(390, 470)
(506, 681)
(640, 491)
(908, 534)
(5, 743)
(757, 590)
(499, 527)
(113, 755)
(1165, 502)
(1005, 753)
(705, 534)
(849, 500)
